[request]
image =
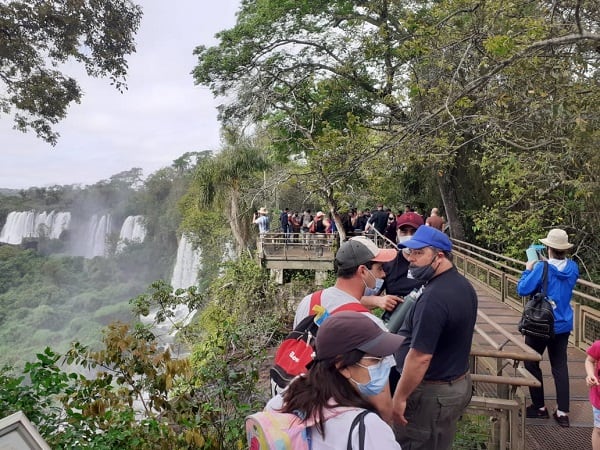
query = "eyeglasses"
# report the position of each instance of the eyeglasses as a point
(407, 229)
(416, 252)
(370, 358)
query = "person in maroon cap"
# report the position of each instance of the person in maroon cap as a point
(350, 369)
(396, 283)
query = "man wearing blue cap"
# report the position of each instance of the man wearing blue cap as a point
(435, 385)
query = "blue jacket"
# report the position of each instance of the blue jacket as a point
(560, 290)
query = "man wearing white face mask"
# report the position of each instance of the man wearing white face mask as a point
(358, 263)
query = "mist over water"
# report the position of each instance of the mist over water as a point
(87, 238)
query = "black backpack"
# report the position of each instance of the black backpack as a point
(538, 315)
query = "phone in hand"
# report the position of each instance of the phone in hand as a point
(532, 254)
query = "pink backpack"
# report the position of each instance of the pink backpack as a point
(272, 430)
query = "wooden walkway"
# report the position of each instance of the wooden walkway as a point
(546, 433)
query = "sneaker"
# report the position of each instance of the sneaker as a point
(536, 413)
(563, 421)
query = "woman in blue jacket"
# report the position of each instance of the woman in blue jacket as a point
(562, 276)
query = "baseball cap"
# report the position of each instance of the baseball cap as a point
(360, 250)
(345, 331)
(429, 237)
(411, 219)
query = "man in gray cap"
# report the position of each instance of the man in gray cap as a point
(358, 263)
(434, 357)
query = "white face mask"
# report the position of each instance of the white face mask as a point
(403, 238)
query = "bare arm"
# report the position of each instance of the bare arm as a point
(387, 302)
(591, 378)
(413, 372)
(383, 403)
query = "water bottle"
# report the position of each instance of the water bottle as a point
(399, 313)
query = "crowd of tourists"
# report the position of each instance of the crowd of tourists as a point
(295, 226)
(372, 386)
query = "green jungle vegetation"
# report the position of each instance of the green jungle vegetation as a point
(488, 111)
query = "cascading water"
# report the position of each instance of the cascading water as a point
(98, 230)
(30, 224)
(187, 264)
(133, 230)
(185, 274)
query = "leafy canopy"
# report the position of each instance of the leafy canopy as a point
(36, 38)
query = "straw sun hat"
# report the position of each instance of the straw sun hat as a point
(557, 239)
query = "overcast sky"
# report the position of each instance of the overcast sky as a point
(161, 116)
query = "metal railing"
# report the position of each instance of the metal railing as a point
(297, 246)
(497, 354)
(500, 274)
(497, 375)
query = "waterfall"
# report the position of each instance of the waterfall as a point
(133, 230)
(26, 224)
(187, 264)
(97, 231)
(185, 274)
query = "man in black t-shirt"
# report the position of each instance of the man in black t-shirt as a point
(434, 358)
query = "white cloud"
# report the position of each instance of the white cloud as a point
(160, 116)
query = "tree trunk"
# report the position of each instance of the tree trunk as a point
(237, 222)
(448, 194)
(332, 205)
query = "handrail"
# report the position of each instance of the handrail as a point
(501, 274)
(499, 258)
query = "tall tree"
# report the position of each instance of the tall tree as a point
(38, 36)
(220, 183)
(426, 75)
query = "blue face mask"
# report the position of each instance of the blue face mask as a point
(379, 374)
(376, 289)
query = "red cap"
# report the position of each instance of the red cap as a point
(411, 219)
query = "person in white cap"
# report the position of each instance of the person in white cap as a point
(262, 220)
(562, 276)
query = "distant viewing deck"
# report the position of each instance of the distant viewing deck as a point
(297, 251)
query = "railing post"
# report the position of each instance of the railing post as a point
(578, 327)
(503, 287)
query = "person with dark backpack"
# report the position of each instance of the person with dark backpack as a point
(538, 314)
(331, 406)
(562, 274)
